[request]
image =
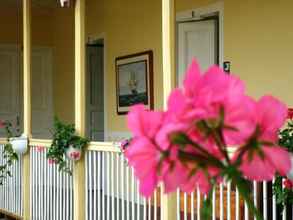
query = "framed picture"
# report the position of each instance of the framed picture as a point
(134, 81)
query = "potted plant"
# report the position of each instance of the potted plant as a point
(8, 152)
(65, 145)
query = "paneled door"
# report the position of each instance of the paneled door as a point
(10, 89)
(11, 97)
(199, 40)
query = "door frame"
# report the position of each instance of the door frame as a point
(92, 40)
(204, 13)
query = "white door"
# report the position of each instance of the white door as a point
(197, 39)
(10, 86)
(11, 90)
(95, 92)
(42, 103)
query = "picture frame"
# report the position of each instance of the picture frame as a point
(134, 81)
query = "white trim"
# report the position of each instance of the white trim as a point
(202, 12)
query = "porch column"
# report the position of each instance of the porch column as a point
(168, 33)
(26, 104)
(79, 169)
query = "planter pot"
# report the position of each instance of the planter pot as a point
(19, 144)
(73, 153)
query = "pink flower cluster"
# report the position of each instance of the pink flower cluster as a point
(288, 184)
(182, 147)
(75, 155)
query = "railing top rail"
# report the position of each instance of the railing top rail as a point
(3, 141)
(92, 146)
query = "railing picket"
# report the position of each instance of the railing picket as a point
(122, 187)
(192, 206)
(93, 185)
(274, 205)
(112, 186)
(255, 195)
(185, 206)
(198, 203)
(117, 159)
(229, 201)
(214, 203)
(99, 185)
(108, 185)
(237, 211)
(178, 203)
(265, 205)
(221, 201)
(132, 194)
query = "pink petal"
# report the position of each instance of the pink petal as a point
(139, 122)
(280, 158)
(271, 115)
(257, 169)
(192, 78)
(239, 115)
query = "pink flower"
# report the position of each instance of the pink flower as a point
(75, 155)
(143, 154)
(40, 149)
(51, 161)
(2, 124)
(124, 144)
(264, 157)
(150, 152)
(288, 184)
(205, 96)
(290, 113)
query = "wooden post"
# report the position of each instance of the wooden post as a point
(79, 168)
(169, 207)
(26, 105)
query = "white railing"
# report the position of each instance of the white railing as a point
(10, 191)
(51, 190)
(112, 192)
(228, 205)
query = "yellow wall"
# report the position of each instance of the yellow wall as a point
(258, 42)
(129, 26)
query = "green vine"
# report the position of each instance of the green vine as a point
(8, 153)
(64, 136)
(284, 195)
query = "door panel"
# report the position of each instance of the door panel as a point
(197, 39)
(9, 86)
(42, 107)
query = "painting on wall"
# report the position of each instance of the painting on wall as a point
(134, 81)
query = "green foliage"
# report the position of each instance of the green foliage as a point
(284, 197)
(63, 137)
(8, 154)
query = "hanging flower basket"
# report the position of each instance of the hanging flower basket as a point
(73, 153)
(19, 144)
